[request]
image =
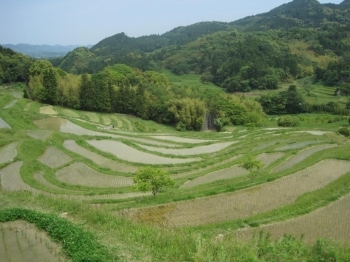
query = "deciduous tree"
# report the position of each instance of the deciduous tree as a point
(152, 179)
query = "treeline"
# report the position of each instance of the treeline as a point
(258, 52)
(148, 95)
(13, 66)
(336, 73)
(297, 13)
(235, 61)
(292, 102)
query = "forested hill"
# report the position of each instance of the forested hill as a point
(114, 49)
(303, 33)
(298, 13)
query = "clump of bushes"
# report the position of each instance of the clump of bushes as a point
(344, 131)
(288, 121)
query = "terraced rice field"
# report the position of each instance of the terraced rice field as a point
(27, 107)
(54, 158)
(300, 156)
(106, 120)
(82, 175)
(8, 153)
(182, 139)
(190, 151)
(102, 171)
(248, 202)
(296, 145)
(128, 123)
(93, 117)
(118, 122)
(21, 241)
(3, 124)
(130, 154)
(68, 112)
(331, 222)
(223, 174)
(269, 158)
(98, 159)
(47, 110)
(66, 126)
(11, 104)
(39, 134)
(11, 179)
(203, 169)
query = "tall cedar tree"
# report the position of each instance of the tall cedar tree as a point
(50, 85)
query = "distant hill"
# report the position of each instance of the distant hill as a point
(322, 30)
(42, 51)
(298, 13)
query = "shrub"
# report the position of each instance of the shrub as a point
(288, 121)
(344, 131)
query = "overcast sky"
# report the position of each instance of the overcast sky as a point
(82, 22)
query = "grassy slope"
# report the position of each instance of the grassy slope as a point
(137, 242)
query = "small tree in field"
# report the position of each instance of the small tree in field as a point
(252, 165)
(152, 179)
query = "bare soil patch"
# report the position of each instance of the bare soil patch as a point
(98, 159)
(3, 124)
(300, 156)
(330, 222)
(182, 139)
(53, 123)
(131, 154)
(39, 134)
(47, 110)
(81, 174)
(54, 158)
(190, 151)
(223, 174)
(22, 241)
(255, 200)
(8, 153)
